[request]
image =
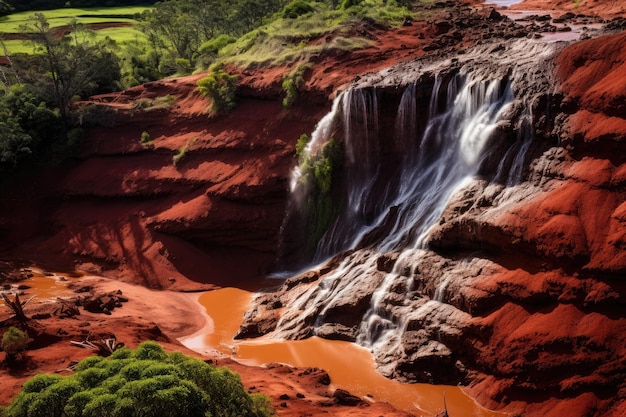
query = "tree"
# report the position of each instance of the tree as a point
(14, 341)
(27, 127)
(69, 66)
(170, 25)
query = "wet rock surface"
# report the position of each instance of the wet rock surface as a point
(519, 291)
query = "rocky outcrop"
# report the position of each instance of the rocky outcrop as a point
(519, 293)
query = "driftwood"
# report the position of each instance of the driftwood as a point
(104, 347)
(17, 306)
(65, 309)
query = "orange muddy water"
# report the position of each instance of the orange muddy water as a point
(350, 367)
(44, 286)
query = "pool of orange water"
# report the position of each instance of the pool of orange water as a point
(350, 367)
(42, 285)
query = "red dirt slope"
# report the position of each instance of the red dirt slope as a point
(562, 326)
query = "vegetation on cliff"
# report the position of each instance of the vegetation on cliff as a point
(318, 172)
(141, 382)
(39, 124)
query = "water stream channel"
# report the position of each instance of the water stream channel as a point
(350, 366)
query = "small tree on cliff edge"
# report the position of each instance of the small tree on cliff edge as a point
(220, 87)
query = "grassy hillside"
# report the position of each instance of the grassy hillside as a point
(12, 24)
(296, 39)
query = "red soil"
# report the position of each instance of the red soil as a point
(177, 315)
(565, 322)
(126, 211)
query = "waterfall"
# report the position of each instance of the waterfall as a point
(450, 151)
(437, 146)
(396, 213)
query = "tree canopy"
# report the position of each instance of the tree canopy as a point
(143, 382)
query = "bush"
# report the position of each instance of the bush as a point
(296, 8)
(220, 87)
(346, 4)
(145, 139)
(318, 174)
(183, 65)
(301, 145)
(213, 46)
(291, 85)
(143, 382)
(14, 341)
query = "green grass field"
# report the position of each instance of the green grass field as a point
(63, 17)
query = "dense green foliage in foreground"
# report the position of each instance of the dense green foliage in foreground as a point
(143, 382)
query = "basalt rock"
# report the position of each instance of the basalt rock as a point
(519, 291)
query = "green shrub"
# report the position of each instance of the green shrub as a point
(143, 382)
(220, 87)
(346, 4)
(145, 138)
(319, 171)
(301, 145)
(213, 46)
(179, 155)
(292, 83)
(183, 65)
(14, 341)
(182, 151)
(296, 8)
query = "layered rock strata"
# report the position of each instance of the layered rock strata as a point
(518, 292)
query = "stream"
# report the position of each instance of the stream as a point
(224, 311)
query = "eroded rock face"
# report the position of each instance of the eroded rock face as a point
(134, 211)
(519, 292)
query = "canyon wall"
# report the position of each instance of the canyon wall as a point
(516, 289)
(128, 209)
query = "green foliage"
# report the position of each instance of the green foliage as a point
(183, 66)
(318, 173)
(182, 151)
(220, 87)
(29, 130)
(67, 67)
(93, 115)
(301, 145)
(14, 341)
(297, 8)
(346, 4)
(143, 382)
(291, 85)
(179, 155)
(214, 45)
(145, 139)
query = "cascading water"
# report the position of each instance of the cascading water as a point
(436, 159)
(418, 167)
